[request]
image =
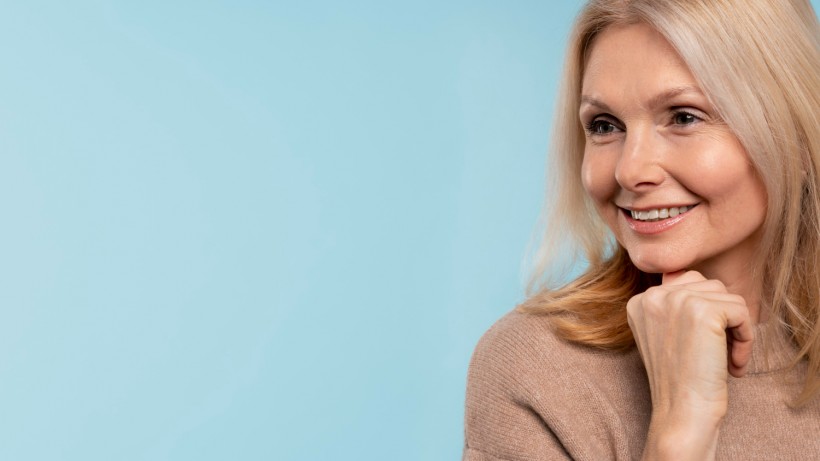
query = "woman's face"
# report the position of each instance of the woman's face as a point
(666, 175)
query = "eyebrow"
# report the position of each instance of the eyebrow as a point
(657, 100)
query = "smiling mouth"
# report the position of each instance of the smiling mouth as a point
(658, 214)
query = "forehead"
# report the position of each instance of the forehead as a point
(633, 58)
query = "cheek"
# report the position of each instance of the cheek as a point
(718, 168)
(598, 177)
(739, 198)
(735, 193)
(725, 178)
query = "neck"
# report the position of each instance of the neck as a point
(736, 268)
(739, 281)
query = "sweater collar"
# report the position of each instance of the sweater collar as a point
(772, 349)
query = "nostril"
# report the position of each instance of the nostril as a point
(638, 177)
(638, 164)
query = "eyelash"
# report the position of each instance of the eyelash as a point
(678, 113)
(592, 127)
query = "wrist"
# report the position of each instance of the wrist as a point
(682, 438)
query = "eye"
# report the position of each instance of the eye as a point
(684, 118)
(600, 127)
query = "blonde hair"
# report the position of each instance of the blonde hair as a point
(758, 61)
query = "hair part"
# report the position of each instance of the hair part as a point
(758, 62)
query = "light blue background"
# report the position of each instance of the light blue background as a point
(250, 230)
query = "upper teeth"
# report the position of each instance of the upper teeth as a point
(659, 213)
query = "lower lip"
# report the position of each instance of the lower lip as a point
(654, 227)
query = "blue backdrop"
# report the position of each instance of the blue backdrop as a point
(249, 230)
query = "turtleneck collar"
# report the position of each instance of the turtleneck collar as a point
(772, 350)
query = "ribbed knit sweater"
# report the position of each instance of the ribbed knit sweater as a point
(532, 396)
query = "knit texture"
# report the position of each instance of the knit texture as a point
(532, 396)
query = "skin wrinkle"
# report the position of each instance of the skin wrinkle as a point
(654, 103)
(761, 102)
(645, 159)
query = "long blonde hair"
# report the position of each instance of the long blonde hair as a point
(758, 61)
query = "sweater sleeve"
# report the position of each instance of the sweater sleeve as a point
(500, 421)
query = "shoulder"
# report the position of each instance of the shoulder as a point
(522, 356)
(517, 341)
(529, 391)
(500, 419)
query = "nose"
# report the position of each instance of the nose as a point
(639, 165)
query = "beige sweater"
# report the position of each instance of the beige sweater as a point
(532, 396)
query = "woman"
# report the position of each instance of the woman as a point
(688, 159)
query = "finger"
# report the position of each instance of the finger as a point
(741, 338)
(722, 297)
(681, 277)
(669, 278)
(703, 285)
(739, 357)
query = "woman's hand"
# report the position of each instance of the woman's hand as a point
(690, 332)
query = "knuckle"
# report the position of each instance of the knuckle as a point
(738, 299)
(655, 295)
(699, 311)
(694, 303)
(716, 285)
(635, 308)
(702, 311)
(679, 298)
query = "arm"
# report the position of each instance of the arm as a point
(680, 328)
(500, 423)
(508, 434)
